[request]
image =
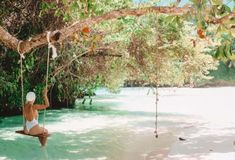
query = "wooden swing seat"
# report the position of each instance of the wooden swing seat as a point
(41, 137)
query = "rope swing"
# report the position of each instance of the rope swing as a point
(22, 80)
(42, 138)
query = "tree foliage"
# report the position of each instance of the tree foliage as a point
(171, 58)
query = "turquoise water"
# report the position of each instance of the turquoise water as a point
(116, 127)
(101, 131)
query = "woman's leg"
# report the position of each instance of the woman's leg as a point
(25, 130)
(38, 130)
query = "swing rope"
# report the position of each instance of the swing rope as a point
(47, 73)
(54, 55)
(156, 115)
(22, 80)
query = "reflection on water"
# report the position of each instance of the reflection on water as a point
(120, 127)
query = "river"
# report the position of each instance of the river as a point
(121, 127)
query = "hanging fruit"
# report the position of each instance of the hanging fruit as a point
(201, 33)
(86, 30)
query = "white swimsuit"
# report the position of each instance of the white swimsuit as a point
(31, 124)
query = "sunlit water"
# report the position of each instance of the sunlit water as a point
(120, 127)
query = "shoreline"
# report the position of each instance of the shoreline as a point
(18, 111)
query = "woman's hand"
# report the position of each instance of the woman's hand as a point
(46, 101)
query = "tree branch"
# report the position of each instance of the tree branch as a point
(85, 54)
(222, 19)
(102, 54)
(8, 40)
(57, 36)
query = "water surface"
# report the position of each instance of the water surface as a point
(120, 127)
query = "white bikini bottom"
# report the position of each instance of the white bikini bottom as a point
(31, 124)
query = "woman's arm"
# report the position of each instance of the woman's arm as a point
(46, 101)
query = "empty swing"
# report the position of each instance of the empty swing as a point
(43, 136)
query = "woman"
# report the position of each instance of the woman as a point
(31, 114)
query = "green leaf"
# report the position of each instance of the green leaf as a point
(216, 2)
(60, 86)
(227, 8)
(58, 13)
(221, 29)
(66, 17)
(220, 53)
(169, 19)
(197, 2)
(75, 5)
(203, 24)
(227, 51)
(217, 54)
(233, 46)
(89, 5)
(222, 10)
(64, 1)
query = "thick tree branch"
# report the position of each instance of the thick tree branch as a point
(39, 40)
(8, 40)
(59, 35)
